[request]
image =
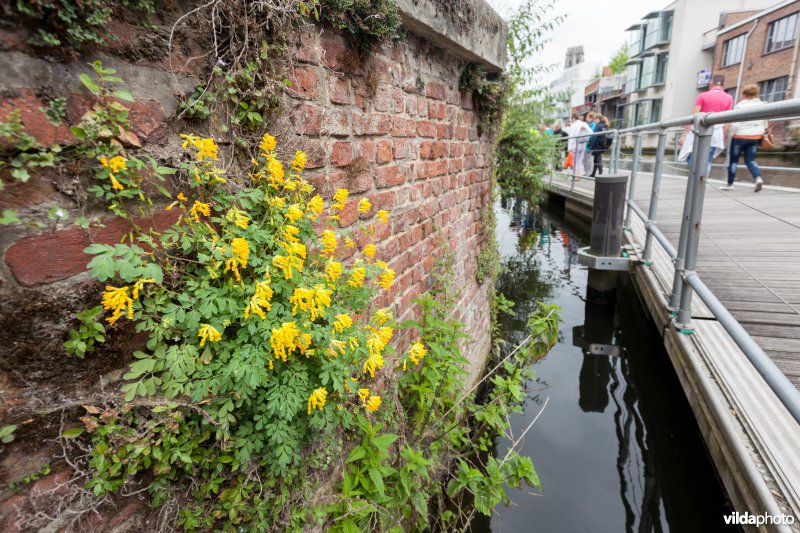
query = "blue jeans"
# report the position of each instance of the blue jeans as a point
(710, 159)
(750, 148)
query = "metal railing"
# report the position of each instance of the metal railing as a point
(686, 281)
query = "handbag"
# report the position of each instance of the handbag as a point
(569, 161)
(767, 143)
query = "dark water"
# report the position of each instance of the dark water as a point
(616, 448)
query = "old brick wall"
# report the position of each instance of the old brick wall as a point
(391, 125)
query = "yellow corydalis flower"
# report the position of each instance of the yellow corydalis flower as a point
(383, 215)
(115, 164)
(374, 362)
(339, 198)
(199, 208)
(139, 286)
(182, 197)
(278, 202)
(287, 263)
(238, 217)
(117, 299)
(116, 185)
(381, 316)
(314, 301)
(315, 206)
(342, 322)
(260, 300)
(295, 248)
(337, 347)
(299, 161)
(317, 399)
(328, 243)
(284, 340)
(333, 270)
(364, 206)
(417, 352)
(294, 213)
(363, 394)
(276, 172)
(267, 144)
(290, 233)
(208, 333)
(206, 148)
(369, 251)
(373, 403)
(357, 277)
(386, 279)
(241, 253)
(350, 243)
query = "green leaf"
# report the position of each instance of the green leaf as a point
(89, 83)
(357, 453)
(9, 216)
(123, 94)
(72, 433)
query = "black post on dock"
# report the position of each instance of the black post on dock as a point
(606, 237)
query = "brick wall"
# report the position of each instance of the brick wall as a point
(391, 125)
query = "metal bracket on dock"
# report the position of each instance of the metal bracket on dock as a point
(585, 258)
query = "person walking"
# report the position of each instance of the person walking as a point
(714, 100)
(746, 138)
(597, 144)
(578, 146)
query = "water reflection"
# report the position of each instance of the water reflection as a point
(617, 448)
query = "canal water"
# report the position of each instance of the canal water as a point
(616, 448)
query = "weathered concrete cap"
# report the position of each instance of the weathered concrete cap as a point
(611, 178)
(469, 29)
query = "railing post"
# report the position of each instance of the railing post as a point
(614, 163)
(637, 150)
(651, 214)
(574, 162)
(697, 183)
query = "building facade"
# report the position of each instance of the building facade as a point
(569, 87)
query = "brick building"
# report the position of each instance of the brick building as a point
(762, 48)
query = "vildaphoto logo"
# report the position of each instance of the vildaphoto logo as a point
(758, 519)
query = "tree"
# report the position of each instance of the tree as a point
(617, 63)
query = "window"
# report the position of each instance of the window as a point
(731, 92)
(773, 90)
(655, 110)
(637, 40)
(666, 27)
(648, 68)
(632, 82)
(651, 32)
(660, 76)
(732, 51)
(782, 33)
(643, 112)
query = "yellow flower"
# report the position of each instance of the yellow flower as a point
(206, 148)
(182, 197)
(363, 394)
(116, 185)
(364, 206)
(357, 277)
(337, 347)
(199, 208)
(290, 185)
(208, 333)
(417, 352)
(299, 161)
(238, 217)
(241, 252)
(340, 197)
(383, 215)
(328, 243)
(267, 143)
(386, 279)
(115, 164)
(315, 300)
(381, 264)
(295, 248)
(277, 202)
(333, 270)
(284, 340)
(260, 300)
(276, 173)
(139, 286)
(381, 316)
(302, 298)
(373, 403)
(294, 213)
(374, 362)
(350, 243)
(369, 251)
(353, 342)
(117, 299)
(342, 322)
(290, 233)
(315, 206)
(287, 263)
(317, 399)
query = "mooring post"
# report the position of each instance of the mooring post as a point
(653, 211)
(606, 235)
(701, 168)
(637, 152)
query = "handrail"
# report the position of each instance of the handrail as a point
(686, 280)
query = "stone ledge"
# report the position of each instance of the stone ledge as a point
(469, 29)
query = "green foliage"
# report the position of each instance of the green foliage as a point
(369, 22)
(489, 97)
(198, 105)
(16, 486)
(72, 25)
(618, 62)
(7, 433)
(24, 153)
(489, 256)
(82, 340)
(55, 109)
(247, 88)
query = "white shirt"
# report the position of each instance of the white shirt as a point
(576, 128)
(751, 127)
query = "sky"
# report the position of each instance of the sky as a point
(599, 25)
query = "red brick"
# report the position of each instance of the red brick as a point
(435, 90)
(388, 176)
(439, 150)
(334, 49)
(371, 124)
(33, 118)
(444, 131)
(308, 119)
(366, 150)
(148, 120)
(342, 153)
(305, 81)
(336, 122)
(38, 189)
(426, 128)
(52, 256)
(339, 90)
(401, 148)
(384, 151)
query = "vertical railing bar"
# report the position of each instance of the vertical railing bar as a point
(654, 191)
(637, 151)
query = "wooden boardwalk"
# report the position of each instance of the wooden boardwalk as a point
(749, 256)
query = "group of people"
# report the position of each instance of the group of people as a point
(745, 137)
(590, 122)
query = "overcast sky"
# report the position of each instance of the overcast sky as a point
(599, 25)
